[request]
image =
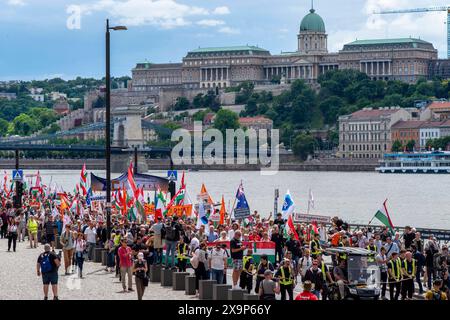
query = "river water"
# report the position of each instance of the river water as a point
(416, 200)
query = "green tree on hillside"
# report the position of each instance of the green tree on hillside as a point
(226, 119)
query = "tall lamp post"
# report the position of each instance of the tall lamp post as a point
(108, 124)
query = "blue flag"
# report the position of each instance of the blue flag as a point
(88, 197)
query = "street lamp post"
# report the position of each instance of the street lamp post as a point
(108, 124)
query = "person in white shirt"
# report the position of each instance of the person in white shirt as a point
(305, 263)
(80, 248)
(231, 232)
(91, 238)
(223, 236)
(218, 263)
(194, 244)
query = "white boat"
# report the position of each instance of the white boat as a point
(415, 162)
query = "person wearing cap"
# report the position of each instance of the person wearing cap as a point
(285, 275)
(140, 269)
(268, 287)
(307, 294)
(47, 266)
(394, 271)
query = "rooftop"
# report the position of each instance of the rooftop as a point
(232, 48)
(372, 113)
(254, 119)
(413, 124)
(386, 41)
(435, 105)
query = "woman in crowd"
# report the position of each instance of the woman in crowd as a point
(12, 233)
(80, 252)
(140, 270)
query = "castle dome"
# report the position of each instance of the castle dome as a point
(312, 22)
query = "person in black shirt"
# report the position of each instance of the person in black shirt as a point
(47, 266)
(408, 237)
(50, 227)
(264, 265)
(279, 244)
(102, 234)
(279, 221)
(237, 254)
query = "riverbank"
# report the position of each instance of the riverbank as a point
(339, 165)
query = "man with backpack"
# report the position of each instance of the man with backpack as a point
(173, 230)
(47, 266)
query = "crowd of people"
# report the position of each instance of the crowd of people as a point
(301, 256)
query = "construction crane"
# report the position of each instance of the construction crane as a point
(419, 10)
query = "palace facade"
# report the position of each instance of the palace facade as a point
(405, 59)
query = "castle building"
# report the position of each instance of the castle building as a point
(216, 68)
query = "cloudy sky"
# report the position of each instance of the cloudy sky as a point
(47, 38)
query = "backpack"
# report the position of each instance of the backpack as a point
(171, 233)
(46, 263)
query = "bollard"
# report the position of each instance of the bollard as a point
(166, 277)
(155, 273)
(249, 296)
(98, 255)
(205, 289)
(237, 294)
(104, 257)
(220, 291)
(178, 280)
(190, 285)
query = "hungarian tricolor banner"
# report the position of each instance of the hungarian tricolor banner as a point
(138, 196)
(83, 180)
(383, 216)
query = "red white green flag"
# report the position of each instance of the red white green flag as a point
(383, 216)
(83, 180)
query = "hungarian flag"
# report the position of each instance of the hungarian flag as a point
(290, 228)
(83, 180)
(160, 203)
(383, 216)
(38, 180)
(222, 211)
(138, 196)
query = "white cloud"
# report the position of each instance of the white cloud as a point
(163, 13)
(229, 30)
(284, 30)
(429, 26)
(210, 23)
(18, 3)
(221, 10)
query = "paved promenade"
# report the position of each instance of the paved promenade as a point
(18, 280)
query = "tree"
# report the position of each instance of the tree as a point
(226, 119)
(303, 146)
(3, 127)
(397, 146)
(410, 145)
(23, 125)
(181, 104)
(198, 101)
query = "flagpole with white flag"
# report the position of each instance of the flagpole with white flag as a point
(288, 206)
(310, 201)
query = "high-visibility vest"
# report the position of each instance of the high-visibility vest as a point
(32, 226)
(181, 251)
(396, 269)
(342, 256)
(405, 265)
(324, 275)
(246, 259)
(316, 247)
(283, 279)
(371, 257)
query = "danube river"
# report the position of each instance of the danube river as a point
(417, 200)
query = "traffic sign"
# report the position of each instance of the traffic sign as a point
(172, 175)
(17, 175)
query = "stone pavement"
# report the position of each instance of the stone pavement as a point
(18, 280)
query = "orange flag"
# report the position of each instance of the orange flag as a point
(205, 195)
(222, 212)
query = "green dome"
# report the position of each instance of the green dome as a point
(312, 22)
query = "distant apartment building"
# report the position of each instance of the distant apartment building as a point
(439, 110)
(36, 90)
(405, 131)
(37, 97)
(61, 107)
(367, 132)
(257, 123)
(433, 130)
(57, 95)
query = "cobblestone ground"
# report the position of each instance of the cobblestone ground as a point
(18, 280)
